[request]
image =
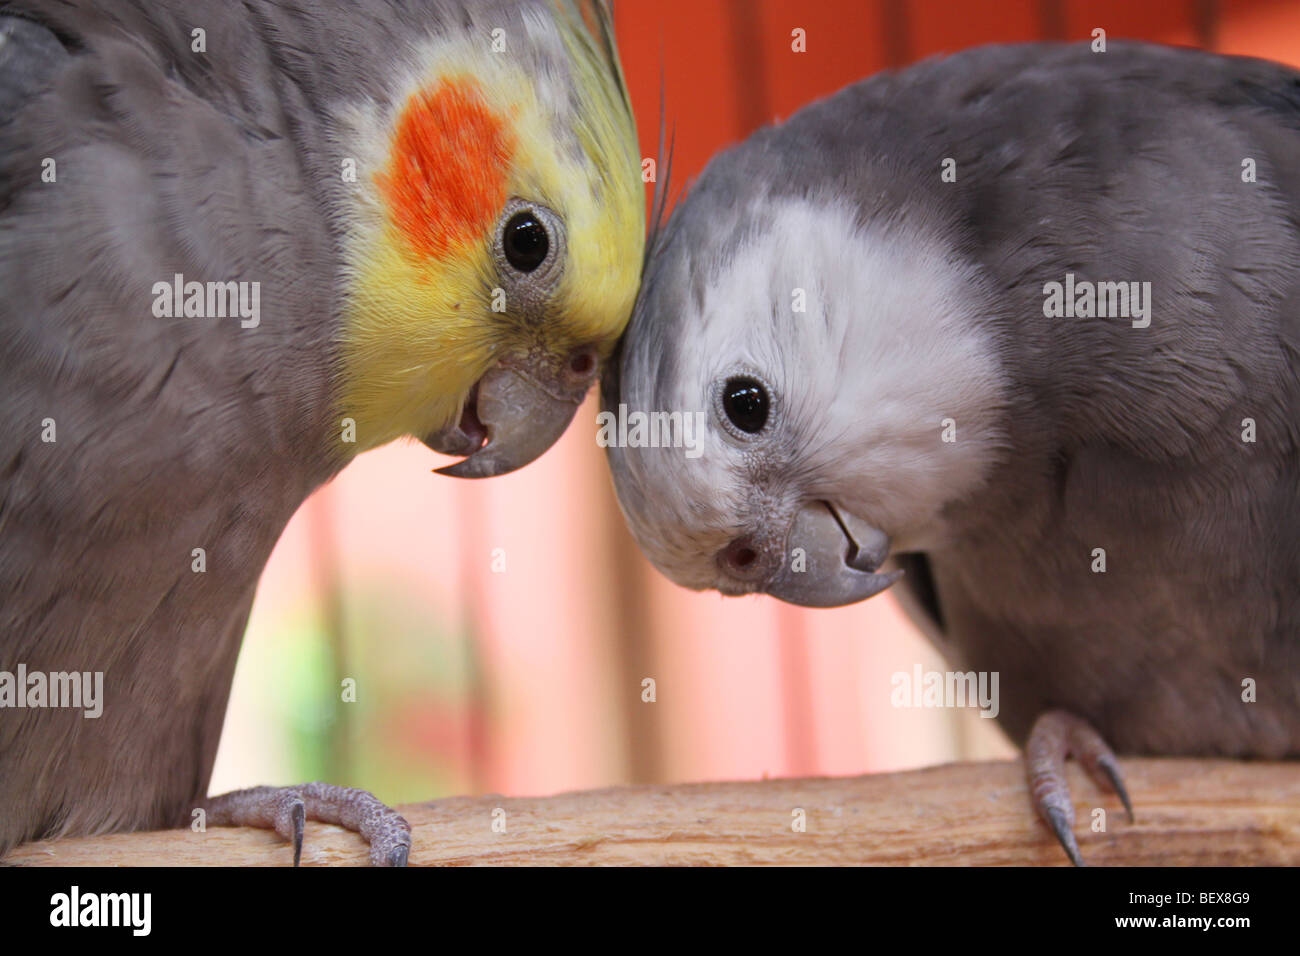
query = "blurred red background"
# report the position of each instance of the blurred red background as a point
(498, 633)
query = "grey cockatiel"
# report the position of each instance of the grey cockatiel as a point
(1099, 501)
(240, 243)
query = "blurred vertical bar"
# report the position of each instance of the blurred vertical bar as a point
(329, 587)
(478, 720)
(1052, 17)
(752, 100)
(633, 636)
(895, 20)
(802, 758)
(1205, 15)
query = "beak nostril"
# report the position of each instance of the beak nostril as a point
(740, 557)
(582, 362)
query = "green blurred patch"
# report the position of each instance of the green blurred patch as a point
(407, 735)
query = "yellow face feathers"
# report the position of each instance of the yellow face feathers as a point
(502, 217)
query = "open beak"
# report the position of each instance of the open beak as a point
(509, 420)
(841, 558)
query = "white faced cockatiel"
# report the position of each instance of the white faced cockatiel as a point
(239, 244)
(1026, 319)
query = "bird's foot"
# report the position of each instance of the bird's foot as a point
(286, 809)
(1057, 735)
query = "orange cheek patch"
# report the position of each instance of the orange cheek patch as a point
(445, 182)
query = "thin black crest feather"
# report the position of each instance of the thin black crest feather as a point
(663, 170)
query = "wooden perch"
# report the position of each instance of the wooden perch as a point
(1189, 812)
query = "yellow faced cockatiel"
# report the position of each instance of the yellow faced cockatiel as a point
(240, 244)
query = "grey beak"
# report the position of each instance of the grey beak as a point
(840, 558)
(522, 420)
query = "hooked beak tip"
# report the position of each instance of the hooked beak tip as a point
(521, 420)
(842, 554)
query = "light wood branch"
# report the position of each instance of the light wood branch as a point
(1189, 812)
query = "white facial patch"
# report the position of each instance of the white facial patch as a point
(889, 377)
(887, 389)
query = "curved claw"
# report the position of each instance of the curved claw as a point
(842, 554)
(299, 815)
(1063, 826)
(1056, 736)
(1107, 763)
(399, 855)
(522, 420)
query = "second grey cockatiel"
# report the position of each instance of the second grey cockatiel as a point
(1026, 319)
(241, 243)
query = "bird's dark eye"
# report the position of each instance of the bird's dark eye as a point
(745, 402)
(525, 241)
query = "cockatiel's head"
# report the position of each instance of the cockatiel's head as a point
(495, 236)
(823, 334)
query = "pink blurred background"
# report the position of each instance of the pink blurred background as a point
(499, 632)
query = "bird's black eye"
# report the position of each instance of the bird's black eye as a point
(745, 402)
(525, 241)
